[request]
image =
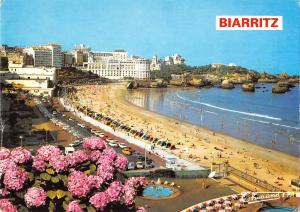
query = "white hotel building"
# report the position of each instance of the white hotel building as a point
(117, 65)
(46, 56)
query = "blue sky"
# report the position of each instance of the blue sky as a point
(159, 27)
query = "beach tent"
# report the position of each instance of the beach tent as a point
(163, 143)
(168, 144)
(173, 147)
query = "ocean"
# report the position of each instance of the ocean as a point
(263, 118)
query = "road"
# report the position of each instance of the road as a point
(72, 124)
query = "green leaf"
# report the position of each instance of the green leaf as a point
(55, 179)
(30, 176)
(20, 194)
(51, 206)
(93, 167)
(65, 205)
(50, 171)
(87, 172)
(45, 176)
(60, 194)
(91, 209)
(83, 205)
(51, 194)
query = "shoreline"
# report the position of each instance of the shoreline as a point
(203, 128)
(198, 144)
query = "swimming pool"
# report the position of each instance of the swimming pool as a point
(157, 191)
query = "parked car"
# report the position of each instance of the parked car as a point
(126, 151)
(109, 139)
(131, 166)
(75, 143)
(113, 144)
(149, 165)
(122, 145)
(139, 165)
(69, 150)
(100, 134)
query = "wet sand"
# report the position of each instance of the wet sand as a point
(197, 144)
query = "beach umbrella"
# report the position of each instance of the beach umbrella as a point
(237, 206)
(201, 205)
(228, 209)
(227, 202)
(218, 206)
(209, 202)
(235, 197)
(168, 144)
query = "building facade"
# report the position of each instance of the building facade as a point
(47, 56)
(117, 65)
(175, 59)
(37, 81)
(156, 64)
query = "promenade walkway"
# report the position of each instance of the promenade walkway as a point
(186, 165)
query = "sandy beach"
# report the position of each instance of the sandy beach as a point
(196, 144)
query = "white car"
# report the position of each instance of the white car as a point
(100, 134)
(113, 144)
(109, 139)
(122, 145)
(139, 165)
(69, 150)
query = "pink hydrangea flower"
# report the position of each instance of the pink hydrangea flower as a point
(74, 207)
(4, 153)
(20, 155)
(15, 179)
(115, 191)
(93, 143)
(105, 159)
(7, 206)
(106, 172)
(95, 181)
(77, 157)
(110, 152)
(35, 197)
(59, 163)
(140, 209)
(78, 184)
(129, 195)
(99, 200)
(136, 182)
(95, 155)
(4, 192)
(7, 164)
(38, 163)
(49, 151)
(121, 163)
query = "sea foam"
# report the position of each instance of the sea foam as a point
(230, 110)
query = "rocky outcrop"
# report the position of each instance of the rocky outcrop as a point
(226, 85)
(199, 82)
(294, 80)
(177, 82)
(285, 83)
(267, 80)
(249, 87)
(146, 84)
(280, 89)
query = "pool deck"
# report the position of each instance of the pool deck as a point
(191, 193)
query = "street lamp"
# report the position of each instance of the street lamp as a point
(21, 138)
